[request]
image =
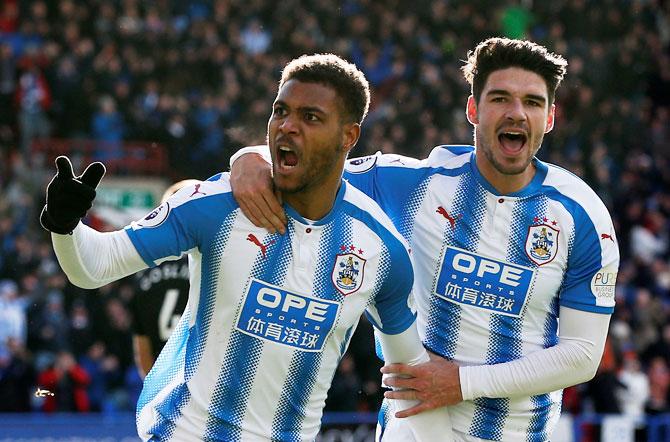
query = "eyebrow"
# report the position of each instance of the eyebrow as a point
(539, 98)
(313, 109)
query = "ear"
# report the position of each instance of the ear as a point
(551, 118)
(471, 110)
(351, 132)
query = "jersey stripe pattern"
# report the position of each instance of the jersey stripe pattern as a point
(269, 316)
(492, 270)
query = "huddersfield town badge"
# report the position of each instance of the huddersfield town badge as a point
(542, 243)
(348, 273)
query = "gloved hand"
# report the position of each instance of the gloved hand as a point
(69, 197)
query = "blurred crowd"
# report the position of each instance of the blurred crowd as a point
(199, 77)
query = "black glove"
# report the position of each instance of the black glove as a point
(69, 197)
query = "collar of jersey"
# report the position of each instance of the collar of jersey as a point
(531, 188)
(292, 213)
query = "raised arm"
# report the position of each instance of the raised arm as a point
(89, 258)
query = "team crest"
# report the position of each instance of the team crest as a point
(348, 273)
(542, 243)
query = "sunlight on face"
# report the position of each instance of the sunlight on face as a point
(511, 118)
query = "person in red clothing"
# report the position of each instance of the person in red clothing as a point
(9, 16)
(67, 380)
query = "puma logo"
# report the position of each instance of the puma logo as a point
(264, 247)
(197, 191)
(452, 220)
(606, 236)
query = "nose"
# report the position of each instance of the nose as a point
(515, 110)
(288, 125)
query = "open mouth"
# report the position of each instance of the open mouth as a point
(287, 157)
(512, 142)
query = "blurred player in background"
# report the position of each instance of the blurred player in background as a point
(503, 245)
(269, 315)
(160, 298)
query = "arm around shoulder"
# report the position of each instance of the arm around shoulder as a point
(251, 181)
(261, 149)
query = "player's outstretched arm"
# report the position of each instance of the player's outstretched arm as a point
(90, 259)
(251, 181)
(573, 360)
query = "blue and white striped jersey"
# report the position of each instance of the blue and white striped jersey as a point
(492, 270)
(269, 316)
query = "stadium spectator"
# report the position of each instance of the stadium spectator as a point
(13, 325)
(633, 398)
(659, 387)
(81, 334)
(108, 129)
(33, 96)
(255, 40)
(116, 332)
(7, 88)
(649, 240)
(67, 381)
(17, 377)
(49, 323)
(71, 111)
(96, 366)
(660, 347)
(606, 388)
(10, 16)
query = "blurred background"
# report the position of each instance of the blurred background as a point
(169, 89)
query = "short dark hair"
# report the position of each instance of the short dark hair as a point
(498, 53)
(345, 78)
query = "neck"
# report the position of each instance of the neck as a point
(313, 204)
(505, 183)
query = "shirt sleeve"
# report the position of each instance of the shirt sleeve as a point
(393, 311)
(389, 179)
(188, 220)
(590, 278)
